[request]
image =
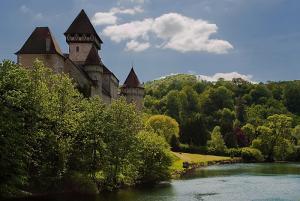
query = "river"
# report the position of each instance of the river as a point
(236, 182)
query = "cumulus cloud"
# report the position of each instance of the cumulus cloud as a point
(225, 76)
(136, 46)
(176, 32)
(101, 18)
(110, 17)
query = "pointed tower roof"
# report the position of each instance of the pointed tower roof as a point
(93, 58)
(82, 25)
(37, 43)
(132, 81)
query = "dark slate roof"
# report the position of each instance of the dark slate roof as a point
(82, 25)
(93, 58)
(36, 43)
(132, 81)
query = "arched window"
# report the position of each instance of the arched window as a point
(77, 48)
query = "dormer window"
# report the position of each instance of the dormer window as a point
(77, 48)
(48, 44)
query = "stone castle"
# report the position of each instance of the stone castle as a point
(82, 63)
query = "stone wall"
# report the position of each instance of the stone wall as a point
(81, 55)
(53, 61)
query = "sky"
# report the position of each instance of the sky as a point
(257, 40)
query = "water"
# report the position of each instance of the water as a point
(237, 182)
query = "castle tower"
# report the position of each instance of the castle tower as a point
(41, 45)
(133, 90)
(82, 37)
(94, 68)
(84, 44)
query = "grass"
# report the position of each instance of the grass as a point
(179, 158)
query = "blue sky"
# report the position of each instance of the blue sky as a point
(258, 40)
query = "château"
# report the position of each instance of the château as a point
(82, 63)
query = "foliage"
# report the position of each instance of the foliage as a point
(273, 135)
(54, 139)
(155, 158)
(164, 126)
(216, 145)
(251, 155)
(243, 110)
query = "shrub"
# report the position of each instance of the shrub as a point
(251, 154)
(234, 152)
(216, 145)
(164, 126)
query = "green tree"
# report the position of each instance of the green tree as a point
(155, 158)
(216, 144)
(123, 123)
(273, 134)
(164, 126)
(194, 130)
(249, 131)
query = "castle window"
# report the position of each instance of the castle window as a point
(77, 48)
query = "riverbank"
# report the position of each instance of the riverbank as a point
(196, 161)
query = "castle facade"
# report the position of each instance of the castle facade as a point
(82, 63)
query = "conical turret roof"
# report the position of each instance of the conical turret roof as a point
(93, 58)
(37, 43)
(132, 81)
(82, 25)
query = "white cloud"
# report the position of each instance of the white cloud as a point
(176, 31)
(24, 9)
(128, 11)
(101, 18)
(225, 76)
(106, 18)
(132, 30)
(136, 46)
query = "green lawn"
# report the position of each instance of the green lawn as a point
(179, 158)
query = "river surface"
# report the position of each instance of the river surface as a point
(237, 182)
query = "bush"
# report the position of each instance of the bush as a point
(234, 152)
(216, 145)
(251, 155)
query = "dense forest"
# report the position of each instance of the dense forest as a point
(52, 139)
(222, 117)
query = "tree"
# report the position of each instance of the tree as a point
(249, 131)
(296, 133)
(155, 158)
(194, 130)
(291, 96)
(216, 144)
(216, 99)
(123, 123)
(164, 126)
(226, 119)
(273, 134)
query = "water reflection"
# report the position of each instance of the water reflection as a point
(245, 182)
